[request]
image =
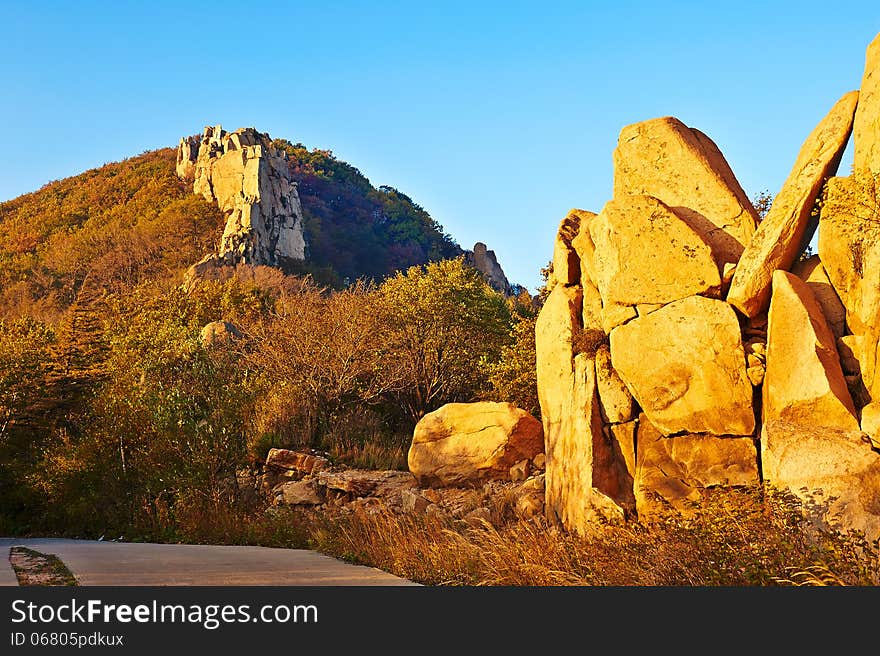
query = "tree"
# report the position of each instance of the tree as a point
(762, 203)
(445, 327)
(514, 377)
(319, 355)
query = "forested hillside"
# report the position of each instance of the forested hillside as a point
(118, 411)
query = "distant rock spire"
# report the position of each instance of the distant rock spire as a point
(250, 181)
(484, 261)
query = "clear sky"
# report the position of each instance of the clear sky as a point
(496, 117)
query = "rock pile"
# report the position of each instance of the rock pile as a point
(685, 343)
(308, 480)
(249, 179)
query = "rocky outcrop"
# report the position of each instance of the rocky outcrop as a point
(685, 366)
(866, 132)
(849, 245)
(804, 382)
(645, 253)
(684, 169)
(468, 443)
(790, 224)
(672, 471)
(835, 472)
(484, 261)
(249, 179)
(653, 388)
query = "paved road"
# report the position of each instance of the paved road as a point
(130, 563)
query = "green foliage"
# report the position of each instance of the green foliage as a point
(29, 398)
(762, 202)
(168, 422)
(354, 230)
(446, 328)
(514, 376)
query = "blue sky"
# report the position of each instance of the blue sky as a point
(496, 117)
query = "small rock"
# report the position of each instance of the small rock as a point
(413, 502)
(296, 461)
(299, 493)
(520, 471)
(756, 373)
(529, 505)
(534, 484)
(218, 333)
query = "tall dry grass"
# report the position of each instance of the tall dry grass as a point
(732, 538)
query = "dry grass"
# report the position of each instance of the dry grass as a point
(733, 538)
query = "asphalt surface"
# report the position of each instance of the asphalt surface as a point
(129, 563)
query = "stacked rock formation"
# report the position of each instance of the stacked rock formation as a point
(685, 343)
(250, 181)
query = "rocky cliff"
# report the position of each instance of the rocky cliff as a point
(250, 181)
(484, 261)
(684, 344)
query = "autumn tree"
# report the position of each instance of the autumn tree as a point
(513, 377)
(318, 355)
(445, 327)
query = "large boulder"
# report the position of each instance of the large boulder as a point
(674, 470)
(835, 472)
(686, 367)
(790, 223)
(484, 261)
(684, 169)
(866, 132)
(645, 253)
(557, 324)
(569, 453)
(811, 271)
(849, 245)
(803, 381)
(468, 443)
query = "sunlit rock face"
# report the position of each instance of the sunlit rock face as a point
(685, 344)
(249, 179)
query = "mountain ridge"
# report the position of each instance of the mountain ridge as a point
(135, 218)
